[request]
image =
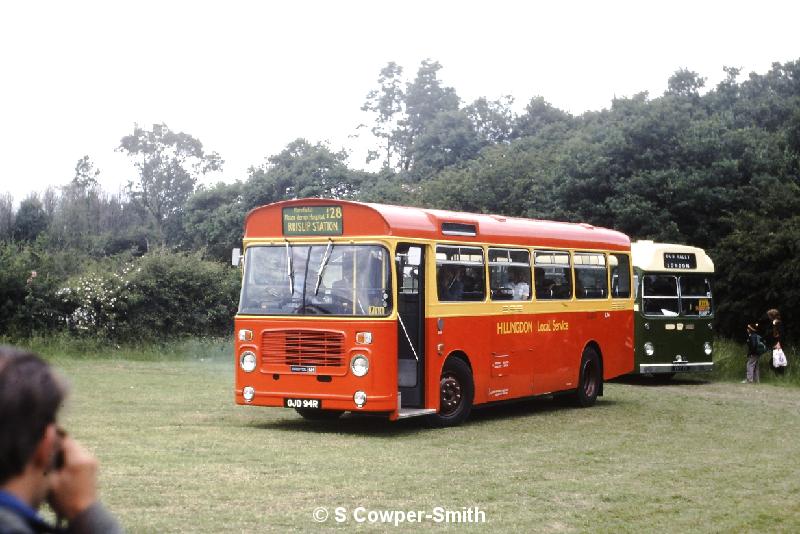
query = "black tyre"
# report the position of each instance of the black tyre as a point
(590, 379)
(319, 415)
(456, 393)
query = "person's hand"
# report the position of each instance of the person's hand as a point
(73, 488)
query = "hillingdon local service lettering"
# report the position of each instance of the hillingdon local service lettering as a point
(514, 327)
(526, 327)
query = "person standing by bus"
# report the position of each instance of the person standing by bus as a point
(753, 354)
(774, 338)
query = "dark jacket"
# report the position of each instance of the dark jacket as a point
(775, 333)
(752, 344)
(94, 520)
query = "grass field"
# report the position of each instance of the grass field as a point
(178, 456)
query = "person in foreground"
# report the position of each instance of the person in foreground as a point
(38, 461)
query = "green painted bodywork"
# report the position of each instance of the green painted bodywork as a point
(678, 341)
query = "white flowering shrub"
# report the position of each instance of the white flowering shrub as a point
(157, 297)
(99, 302)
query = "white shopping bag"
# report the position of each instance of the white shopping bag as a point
(778, 358)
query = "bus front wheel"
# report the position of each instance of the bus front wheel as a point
(456, 392)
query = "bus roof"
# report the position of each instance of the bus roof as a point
(366, 219)
(650, 256)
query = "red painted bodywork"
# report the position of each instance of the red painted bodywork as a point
(504, 366)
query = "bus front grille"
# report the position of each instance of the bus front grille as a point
(319, 348)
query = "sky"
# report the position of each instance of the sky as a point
(247, 78)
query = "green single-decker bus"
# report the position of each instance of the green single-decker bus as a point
(673, 310)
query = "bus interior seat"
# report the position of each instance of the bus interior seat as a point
(502, 293)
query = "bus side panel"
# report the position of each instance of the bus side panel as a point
(561, 338)
(467, 335)
(520, 355)
(618, 347)
(509, 358)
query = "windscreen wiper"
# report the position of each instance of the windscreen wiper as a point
(323, 263)
(289, 268)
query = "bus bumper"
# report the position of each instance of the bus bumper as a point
(657, 368)
(327, 401)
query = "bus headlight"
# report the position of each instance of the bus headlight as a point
(649, 349)
(359, 365)
(360, 398)
(247, 361)
(248, 393)
(707, 348)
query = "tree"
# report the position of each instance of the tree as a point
(425, 99)
(492, 119)
(538, 114)
(214, 219)
(31, 219)
(78, 212)
(85, 175)
(169, 165)
(387, 102)
(6, 216)
(447, 139)
(685, 83)
(301, 170)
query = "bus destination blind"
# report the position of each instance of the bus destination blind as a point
(683, 260)
(312, 220)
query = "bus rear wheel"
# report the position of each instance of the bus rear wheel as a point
(456, 393)
(590, 379)
(319, 415)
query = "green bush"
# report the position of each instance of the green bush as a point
(30, 277)
(14, 273)
(730, 358)
(157, 297)
(174, 295)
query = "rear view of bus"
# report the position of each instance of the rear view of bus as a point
(674, 309)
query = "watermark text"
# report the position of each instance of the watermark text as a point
(438, 514)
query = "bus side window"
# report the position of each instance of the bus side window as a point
(591, 275)
(460, 273)
(509, 274)
(553, 277)
(620, 275)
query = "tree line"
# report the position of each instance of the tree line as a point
(716, 167)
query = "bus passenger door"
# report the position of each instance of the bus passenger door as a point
(411, 324)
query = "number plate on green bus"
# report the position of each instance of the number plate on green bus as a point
(312, 220)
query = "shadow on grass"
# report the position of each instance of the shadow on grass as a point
(380, 426)
(661, 381)
(352, 424)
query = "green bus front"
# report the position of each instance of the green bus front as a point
(673, 322)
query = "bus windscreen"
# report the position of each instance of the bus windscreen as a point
(319, 279)
(671, 296)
